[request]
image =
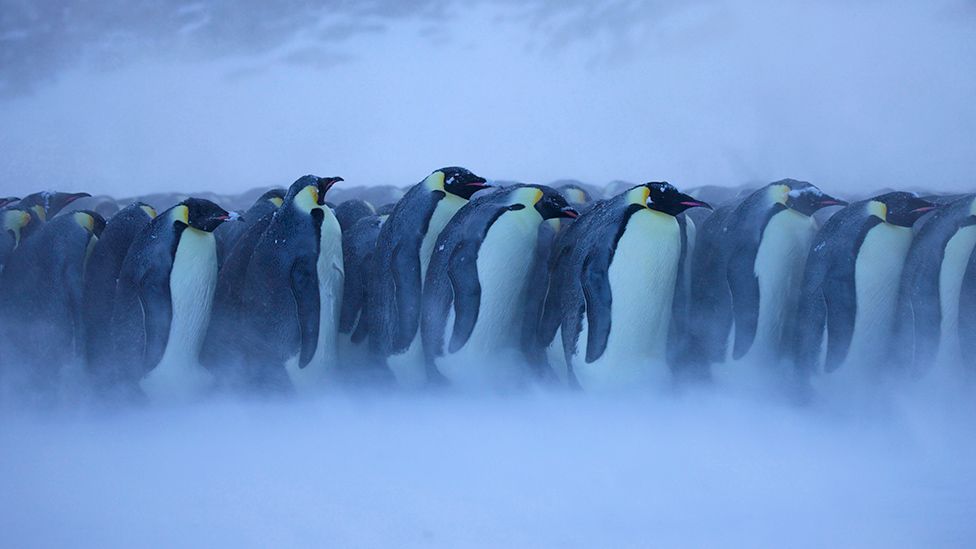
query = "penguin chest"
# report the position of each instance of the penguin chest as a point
(951, 273)
(330, 274)
(642, 279)
(780, 260)
(443, 212)
(504, 262)
(191, 284)
(877, 275)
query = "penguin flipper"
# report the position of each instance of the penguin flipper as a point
(408, 288)
(599, 300)
(841, 300)
(745, 300)
(463, 270)
(157, 311)
(305, 288)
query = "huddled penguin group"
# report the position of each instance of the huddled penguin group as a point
(465, 283)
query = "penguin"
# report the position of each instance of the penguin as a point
(47, 204)
(163, 300)
(222, 351)
(8, 200)
(101, 278)
(358, 245)
(403, 250)
(481, 270)
(932, 279)
(227, 234)
(575, 194)
(14, 221)
(618, 297)
(40, 299)
(351, 211)
(967, 318)
(767, 238)
(850, 287)
(292, 292)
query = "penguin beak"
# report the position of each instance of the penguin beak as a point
(695, 204)
(923, 209)
(569, 212)
(832, 202)
(479, 183)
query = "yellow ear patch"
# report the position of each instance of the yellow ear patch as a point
(182, 214)
(84, 220)
(435, 181)
(878, 209)
(150, 211)
(307, 199)
(779, 193)
(638, 195)
(276, 201)
(40, 211)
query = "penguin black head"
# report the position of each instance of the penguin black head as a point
(308, 192)
(806, 199)
(664, 197)
(554, 205)
(461, 182)
(7, 200)
(351, 211)
(48, 203)
(276, 196)
(900, 208)
(90, 221)
(202, 214)
(575, 194)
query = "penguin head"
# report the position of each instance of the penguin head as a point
(553, 205)
(351, 211)
(275, 196)
(664, 197)
(90, 221)
(900, 208)
(805, 198)
(201, 214)
(457, 181)
(308, 192)
(48, 203)
(7, 200)
(149, 210)
(575, 194)
(14, 220)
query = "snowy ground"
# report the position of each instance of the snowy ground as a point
(534, 470)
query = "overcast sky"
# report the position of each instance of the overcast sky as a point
(222, 96)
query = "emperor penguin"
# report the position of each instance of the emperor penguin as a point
(358, 245)
(292, 292)
(163, 300)
(403, 250)
(850, 288)
(41, 300)
(101, 279)
(481, 271)
(931, 285)
(14, 221)
(617, 304)
(223, 352)
(47, 204)
(350, 211)
(227, 234)
(768, 237)
(8, 200)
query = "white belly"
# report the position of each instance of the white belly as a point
(408, 367)
(779, 266)
(954, 262)
(179, 375)
(877, 275)
(315, 375)
(642, 280)
(491, 355)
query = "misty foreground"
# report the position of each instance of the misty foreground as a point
(706, 467)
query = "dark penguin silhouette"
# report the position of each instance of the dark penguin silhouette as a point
(8, 200)
(101, 279)
(351, 211)
(481, 269)
(47, 204)
(292, 292)
(228, 234)
(163, 300)
(403, 250)
(851, 284)
(41, 299)
(929, 302)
